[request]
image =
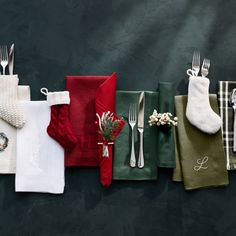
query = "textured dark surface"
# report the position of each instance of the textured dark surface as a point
(144, 41)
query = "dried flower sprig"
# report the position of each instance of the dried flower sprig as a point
(108, 125)
(162, 119)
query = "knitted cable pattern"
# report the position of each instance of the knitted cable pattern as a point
(12, 114)
(60, 127)
(65, 129)
(10, 109)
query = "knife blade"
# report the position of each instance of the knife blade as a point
(140, 126)
(11, 60)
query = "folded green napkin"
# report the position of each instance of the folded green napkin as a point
(166, 142)
(121, 167)
(177, 173)
(201, 156)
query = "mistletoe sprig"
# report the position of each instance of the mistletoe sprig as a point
(108, 125)
(162, 119)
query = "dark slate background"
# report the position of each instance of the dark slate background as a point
(144, 41)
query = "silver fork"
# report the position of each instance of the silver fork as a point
(3, 58)
(205, 67)
(196, 62)
(132, 123)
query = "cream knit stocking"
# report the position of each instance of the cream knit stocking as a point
(10, 109)
(199, 111)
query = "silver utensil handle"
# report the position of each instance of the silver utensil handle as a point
(132, 161)
(141, 157)
(234, 149)
(11, 60)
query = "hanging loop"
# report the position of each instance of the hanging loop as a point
(44, 91)
(191, 72)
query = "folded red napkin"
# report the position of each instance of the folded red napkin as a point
(105, 101)
(90, 95)
(109, 126)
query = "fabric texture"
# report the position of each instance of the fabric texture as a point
(58, 98)
(177, 173)
(201, 156)
(40, 159)
(60, 127)
(8, 154)
(122, 147)
(88, 94)
(23, 93)
(10, 109)
(198, 111)
(165, 140)
(227, 116)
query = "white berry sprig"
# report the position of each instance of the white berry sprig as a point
(159, 119)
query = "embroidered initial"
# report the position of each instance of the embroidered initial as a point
(200, 163)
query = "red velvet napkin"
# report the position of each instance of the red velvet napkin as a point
(88, 94)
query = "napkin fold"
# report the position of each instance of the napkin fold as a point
(105, 101)
(8, 155)
(201, 160)
(40, 159)
(121, 167)
(227, 116)
(165, 140)
(88, 94)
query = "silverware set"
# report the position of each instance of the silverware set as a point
(137, 119)
(7, 60)
(196, 65)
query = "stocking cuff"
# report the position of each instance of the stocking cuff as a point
(56, 98)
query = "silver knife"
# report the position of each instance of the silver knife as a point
(11, 60)
(141, 129)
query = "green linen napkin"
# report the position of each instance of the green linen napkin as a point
(166, 142)
(177, 173)
(201, 156)
(121, 167)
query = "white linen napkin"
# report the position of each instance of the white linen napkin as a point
(40, 159)
(8, 155)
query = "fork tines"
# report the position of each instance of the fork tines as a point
(206, 63)
(196, 62)
(3, 57)
(132, 112)
(196, 57)
(205, 67)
